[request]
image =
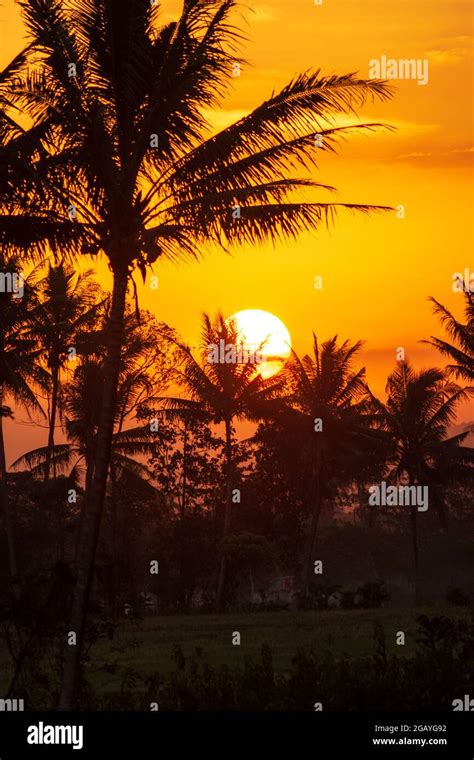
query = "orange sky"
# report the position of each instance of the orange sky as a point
(379, 271)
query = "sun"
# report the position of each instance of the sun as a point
(262, 331)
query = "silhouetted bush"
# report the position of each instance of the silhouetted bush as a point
(372, 594)
(457, 597)
(439, 672)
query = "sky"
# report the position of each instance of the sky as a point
(378, 271)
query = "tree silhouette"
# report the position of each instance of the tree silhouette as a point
(225, 392)
(420, 407)
(20, 370)
(29, 224)
(326, 412)
(67, 307)
(135, 175)
(461, 352)
(82, 413)
(187, 469)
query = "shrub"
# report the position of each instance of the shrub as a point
(441, 668)
(372, 594)
(457, 597)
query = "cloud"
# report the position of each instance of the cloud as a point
(263, 13)
(444, 43)
(403, 127)
(447, 57)
(415, 155)
(454, 157)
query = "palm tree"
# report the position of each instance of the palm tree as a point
(461, 351)
(68, 306)
(326, 412)
(20, 372)
(82, 404)
(28, 222)
(224, 392)
(145, 366)
(27, 226)
(419, 409)
(124, 100)
(82, 410)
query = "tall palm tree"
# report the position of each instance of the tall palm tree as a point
(419, 409)
(145, 364)
(20, 372)
(82, 413)
(326, 411)
(68, 306)
(461, 351)
(223, 391)
(27, 226)
(76, 457)
(124, 100)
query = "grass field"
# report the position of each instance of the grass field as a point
(147, 646)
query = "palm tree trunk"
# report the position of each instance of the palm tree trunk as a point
(5, 507)
(182, 594)
(87, 490)
(414, 538)
(49, 454)
(95, 500)
(317, 499)
(114, 495)
(228, 503)
(311, 543)
(52, 420)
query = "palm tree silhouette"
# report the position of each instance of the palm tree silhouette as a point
(20, 372)
(326, 409)
(67, 307)
(462, 351)
(225, 392)
(76, 457)
(420, 407)
(122, 101)
(82, 414)
(28, 223)
(27, 227)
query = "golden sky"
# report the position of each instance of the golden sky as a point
(377, 271)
